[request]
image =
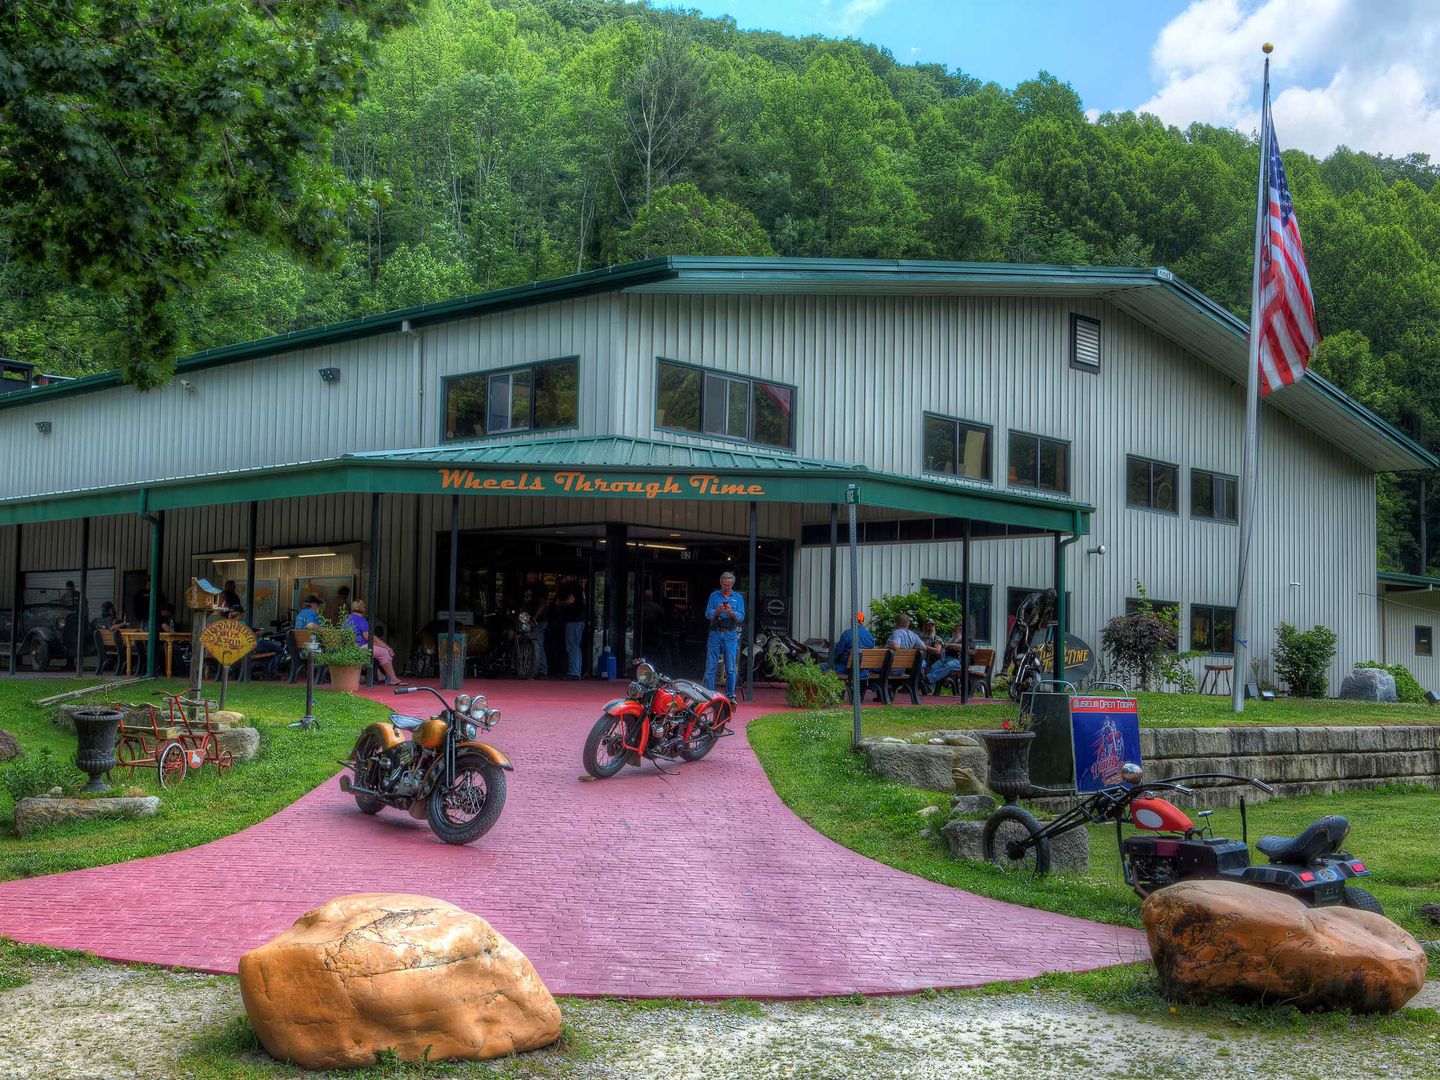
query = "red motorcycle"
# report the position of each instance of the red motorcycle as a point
(661, 718)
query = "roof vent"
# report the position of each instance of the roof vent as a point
(1084, 343)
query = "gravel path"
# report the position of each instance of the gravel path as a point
(108, 1021)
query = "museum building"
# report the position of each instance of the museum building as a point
(996, 428)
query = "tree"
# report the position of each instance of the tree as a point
(140, 140)
(680, 220)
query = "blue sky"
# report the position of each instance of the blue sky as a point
(1352, 72)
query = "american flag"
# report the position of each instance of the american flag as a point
(1287, 324)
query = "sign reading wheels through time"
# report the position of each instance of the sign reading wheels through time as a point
(576, 482)
(1106, 734)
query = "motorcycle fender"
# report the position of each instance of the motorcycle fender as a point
(496, 756)
(388, 735)
(624, 707)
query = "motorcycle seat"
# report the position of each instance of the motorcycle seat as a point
(1320, 839)
(405, 723)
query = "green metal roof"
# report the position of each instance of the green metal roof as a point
(1417, 581)
(606, 467)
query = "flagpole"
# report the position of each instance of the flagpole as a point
(1250, 469)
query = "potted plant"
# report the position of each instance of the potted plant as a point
(809, 686)
(1008, 754)
(345, 658)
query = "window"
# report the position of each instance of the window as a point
(1038, 462)
(1213, 496)
(1085, 343)
(977, 613)
(1212, 629)
(1423, 645)
(957, 447)
(689, 398)
(1150, 485)
(537, 397)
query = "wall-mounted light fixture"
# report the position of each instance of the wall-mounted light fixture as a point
(329, 374)
(43, 426)
(187, 386)
(1095, 550)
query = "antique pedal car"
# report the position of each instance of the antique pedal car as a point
(1170, 847)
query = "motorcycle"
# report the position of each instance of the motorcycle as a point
(527, 646)
(436, 769)
(661, 718)
(771, 650)
(1310, 867)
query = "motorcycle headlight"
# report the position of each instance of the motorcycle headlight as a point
(480, 702)
(60, 623)
(635, 689)
(645, 673)
(469, 731)
(492, 717)
(463, 703)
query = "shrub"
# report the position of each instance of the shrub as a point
(1407, 687)
(35, 774)
(1302, 656)
(809, 686)
(1140, 646)
(919, 605)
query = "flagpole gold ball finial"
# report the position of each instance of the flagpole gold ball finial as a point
(1267, 48)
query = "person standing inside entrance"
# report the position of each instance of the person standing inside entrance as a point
(572, 611)
(725, 611)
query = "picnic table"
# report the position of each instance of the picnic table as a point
(133, 636)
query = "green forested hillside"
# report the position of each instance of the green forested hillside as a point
(503, 141)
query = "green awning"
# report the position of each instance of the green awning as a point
(606, 467)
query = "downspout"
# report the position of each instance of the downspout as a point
(152, 638)
(1062, 613)
(417, 348)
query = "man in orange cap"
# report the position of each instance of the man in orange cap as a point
(849, 641)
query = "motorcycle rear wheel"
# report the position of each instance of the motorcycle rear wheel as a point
(696, 747)
(1362, 900)
(605, 747)
(466, 808)
(1005, 830)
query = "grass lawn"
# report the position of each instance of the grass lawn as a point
(808, 759)
(203, 808)
(1162, 710)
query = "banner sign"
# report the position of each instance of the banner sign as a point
(1079, 659)
(578, 482)
(1106, 734)
(228, 641)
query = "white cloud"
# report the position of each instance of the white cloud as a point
(1350, 72)
(847, 16)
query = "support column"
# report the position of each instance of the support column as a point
(750, 606)
(17, 598)
(852, 499)
(445, 654)
(157, 543)
(1061, 615)
(613, 611)
(1424, 532)
(252, 527)
(82, 621)
(965, 608)
(371, 591)
(832, 628)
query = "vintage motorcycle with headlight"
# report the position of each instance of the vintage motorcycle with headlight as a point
(661, 718)
(437, 769)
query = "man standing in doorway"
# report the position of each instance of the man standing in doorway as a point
(724, 612)
(572, 612)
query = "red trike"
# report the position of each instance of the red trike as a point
(188, 738)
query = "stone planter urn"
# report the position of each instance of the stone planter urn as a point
(97, 730)
(346, 679)
(1009, 762)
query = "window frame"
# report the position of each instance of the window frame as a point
(509, 370)
(1429, 636)
(1075, 364)
(959, 422)
(752, 382)
(1066, 443)
(1214, 476)
(988, 640)
(1211, 608)
(1151, 507)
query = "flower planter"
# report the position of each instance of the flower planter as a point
(97, 730)
(1009, 762)
(346, 679)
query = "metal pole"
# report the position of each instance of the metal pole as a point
(1424, 538)
(1058, 646)
(750, 612)
(833, 628)
(82, 620)
(370, 586)
(152, 638)
(852, 499)
(251, 530)
(454, 588)
(17, 601)
(965, 616)
(1248, 502)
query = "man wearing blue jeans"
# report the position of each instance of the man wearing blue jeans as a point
(725, 611)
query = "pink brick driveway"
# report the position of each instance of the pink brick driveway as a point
(701, 884)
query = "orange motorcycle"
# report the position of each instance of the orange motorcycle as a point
(435, 769)
(661, 718)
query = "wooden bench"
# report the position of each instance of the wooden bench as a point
(874, 665)
(887, 671)
(982, 674)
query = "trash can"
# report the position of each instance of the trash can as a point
(451, 654)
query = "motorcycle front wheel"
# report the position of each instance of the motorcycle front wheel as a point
(1011, 841)
(362, 756)
(464, 807)
(605, 747)
(525, 659)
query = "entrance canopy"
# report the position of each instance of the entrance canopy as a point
(607, 467)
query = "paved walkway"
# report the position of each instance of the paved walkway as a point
(701, 884)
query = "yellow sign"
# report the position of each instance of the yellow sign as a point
(574, 482)
(228, 641)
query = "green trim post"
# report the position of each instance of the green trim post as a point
(152, 637)
(1060, 612)
(852, 500)
(17, 599)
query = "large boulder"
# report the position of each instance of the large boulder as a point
(389, 971)
(946, 767)
(243, 742)
(1223, 939)
(1368, 684)
(9, 746)
(41, 812)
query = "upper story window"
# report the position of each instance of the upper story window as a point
(534, 397)
(1038, 462)
(957, 447)
(1085, 343)
(1214, 496)
(1150, 485)
(690, 398)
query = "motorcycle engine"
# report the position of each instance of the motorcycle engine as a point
(1150, 871)
(400, 770)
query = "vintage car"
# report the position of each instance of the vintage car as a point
(47, 635)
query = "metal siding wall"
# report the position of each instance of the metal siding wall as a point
(1403, 611)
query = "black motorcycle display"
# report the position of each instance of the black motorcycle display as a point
(661, 718)
(436, 769)
(1310, 867)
